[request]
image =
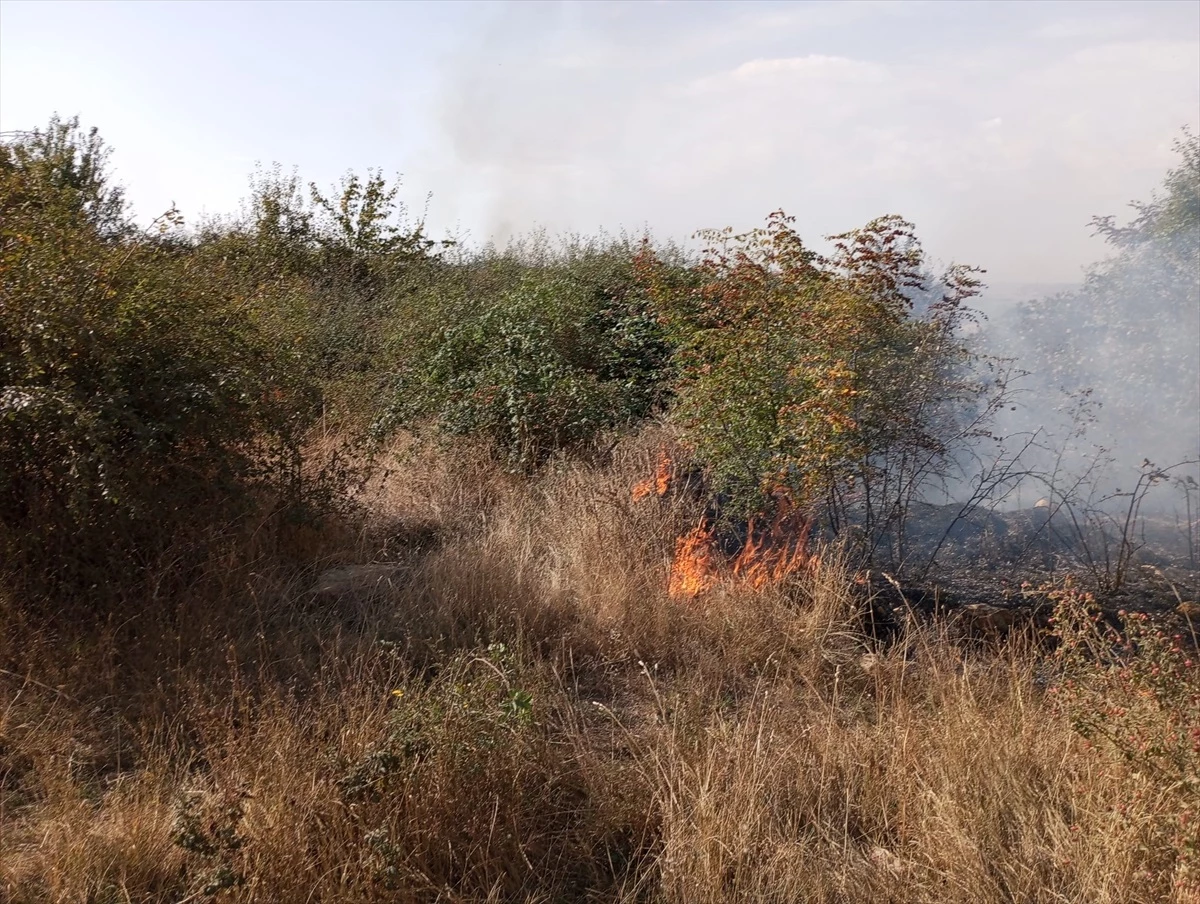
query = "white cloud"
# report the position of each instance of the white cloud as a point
(813, 66)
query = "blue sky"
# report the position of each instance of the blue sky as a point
(1000, 129)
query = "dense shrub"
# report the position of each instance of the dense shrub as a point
(533, 356)
(134, 391)
(814, 376)
(324, 276)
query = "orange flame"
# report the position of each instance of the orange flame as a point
(695, 567)
(767, 557)
(659, 484)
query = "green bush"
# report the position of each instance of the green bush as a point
(533, 356)
(143, 375)
(135, 393)
(814, 376)
(323, 277)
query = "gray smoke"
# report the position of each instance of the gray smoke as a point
(1113, 364)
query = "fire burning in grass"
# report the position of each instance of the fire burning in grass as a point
(769, 554)
(695, 567)
(781, 549)
(659, 484)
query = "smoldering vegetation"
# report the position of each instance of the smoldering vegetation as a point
(341, 564)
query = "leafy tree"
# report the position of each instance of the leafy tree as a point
(323, 276)
(363, 231)
(64, 174)
(1171, 217)
(281, 229)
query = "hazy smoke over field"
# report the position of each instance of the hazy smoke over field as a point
(1114, 365)
(998, 129)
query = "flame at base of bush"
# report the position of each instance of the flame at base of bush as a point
(781, 549)
(658, 485)
(694, 569)
(768, 556)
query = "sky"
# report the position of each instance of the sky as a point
(999, 128)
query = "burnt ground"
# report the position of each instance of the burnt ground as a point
(982, 571)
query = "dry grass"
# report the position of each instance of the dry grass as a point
(525, 716)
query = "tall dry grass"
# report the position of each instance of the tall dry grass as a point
(523, 715)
